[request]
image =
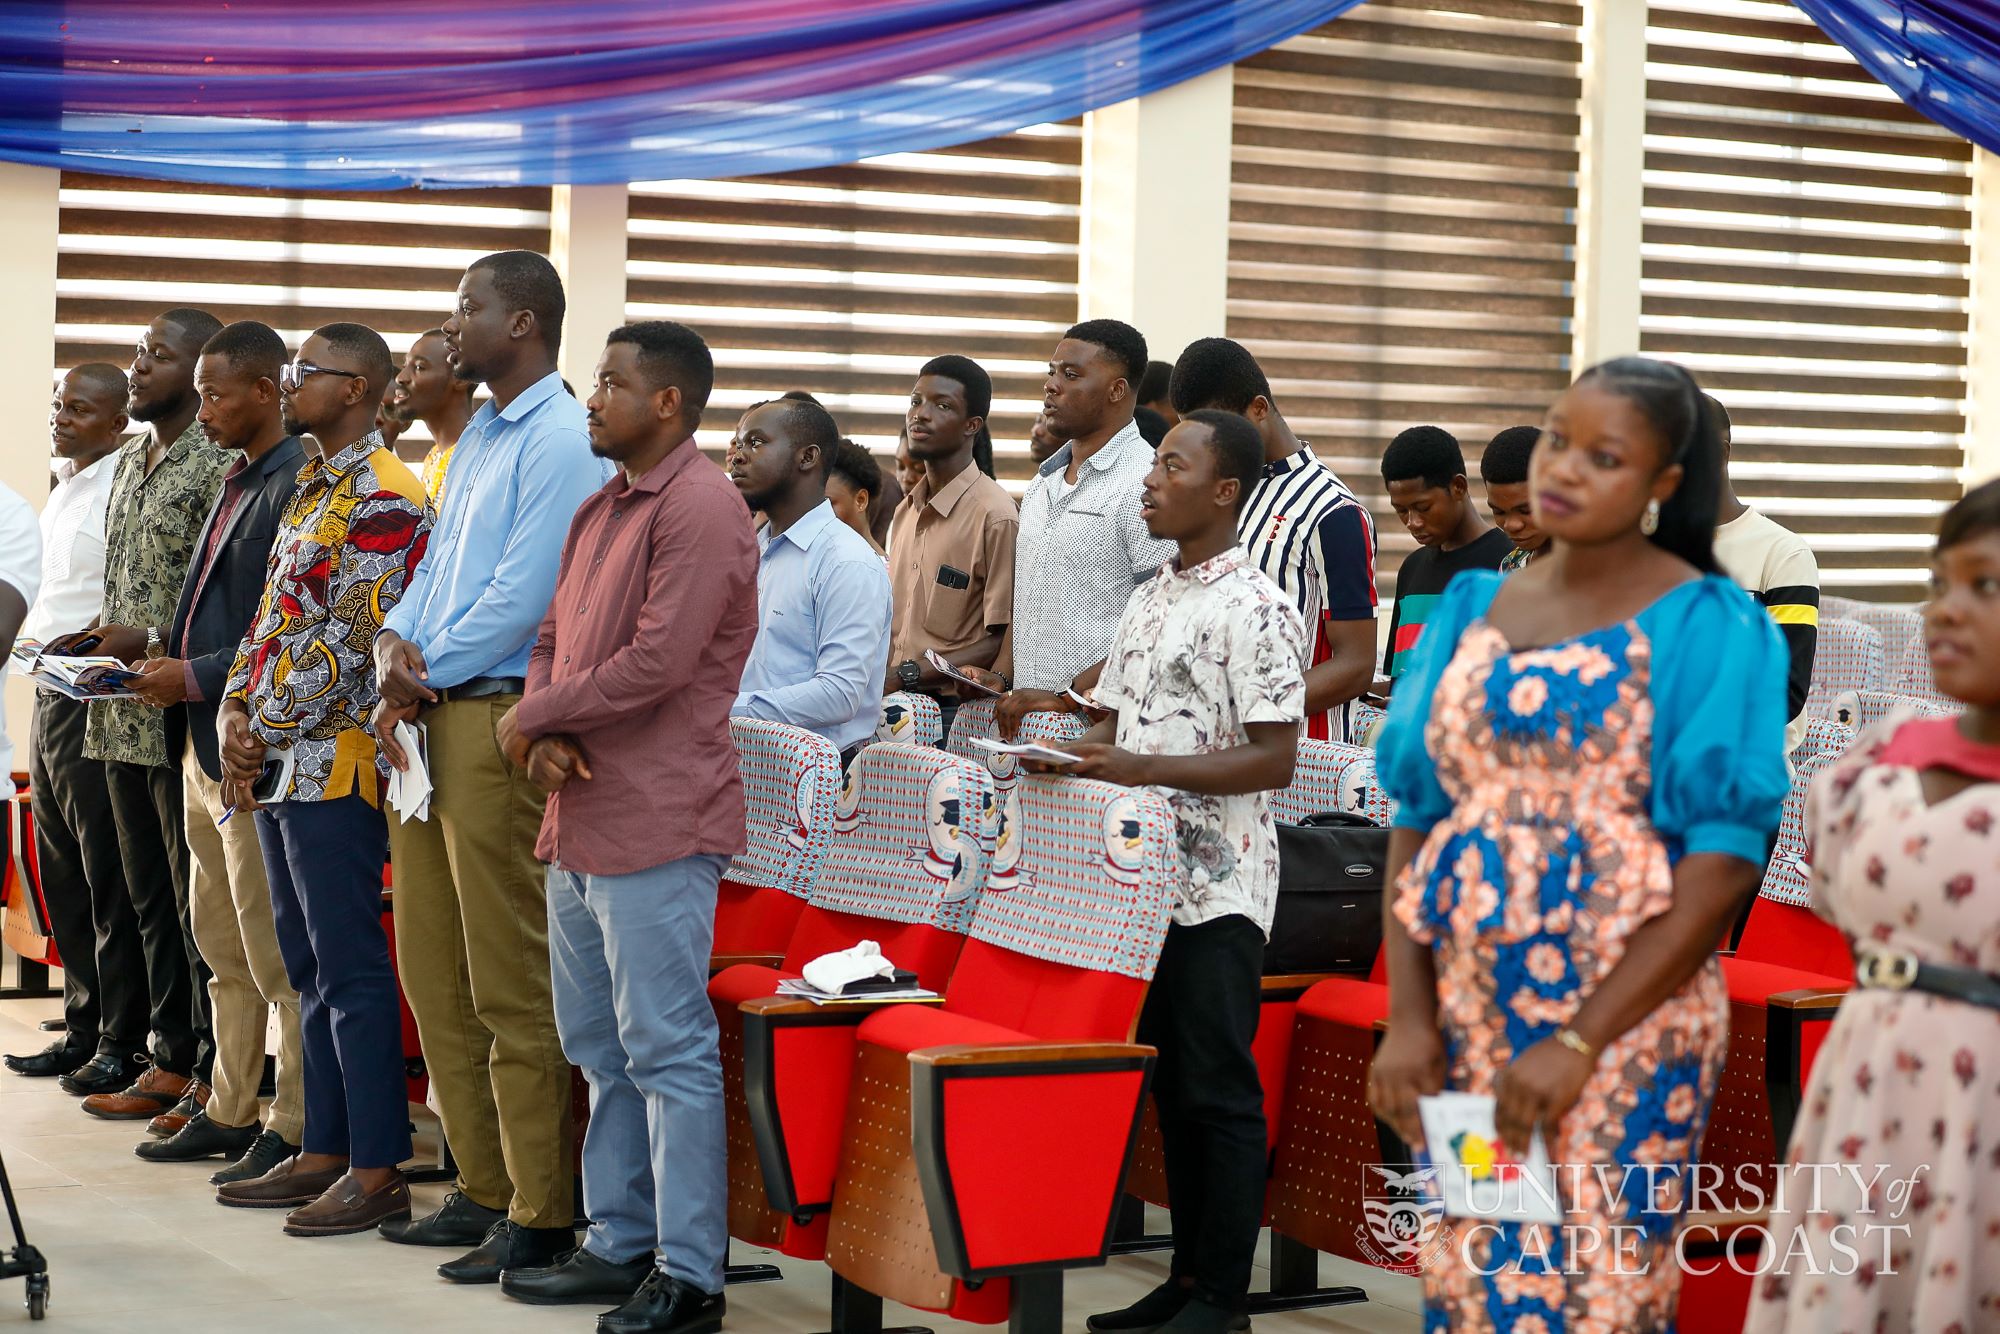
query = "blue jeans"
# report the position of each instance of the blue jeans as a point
(630, 959)
(324, 861)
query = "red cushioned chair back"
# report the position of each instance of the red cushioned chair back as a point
(1379, 974)
(926, 950)
(28, 932)
(1797, 938)
(913, 838)
(791, 779)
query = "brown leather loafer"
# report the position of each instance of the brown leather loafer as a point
(150, 1094)
(169, 1122)
(346, 1207)
(283, 1187)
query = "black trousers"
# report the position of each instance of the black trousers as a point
(1201, 1012)
(152, 843)
(83, 881)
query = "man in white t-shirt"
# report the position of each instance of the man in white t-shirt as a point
(76, 836)
(1775, 566)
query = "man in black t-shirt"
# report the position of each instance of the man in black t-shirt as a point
(1425, 473)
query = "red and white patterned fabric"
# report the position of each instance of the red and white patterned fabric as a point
(1316, 777)
(791, 779)
(1896, 625)
(975, 719)
(1092, 877)
(1788, 875)
(1849, 657)
(913, 719)
(913, 836)
(1913, 676)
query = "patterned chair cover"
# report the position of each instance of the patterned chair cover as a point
(975, 719)
(791, 778)
(1849, 657)
(914, 719)
(1788, 875)
(1331, 776)
(1089, 882)
(1364, 720)
(1913, 676)
(1896, 625)
(913, 838)
(1863, 709)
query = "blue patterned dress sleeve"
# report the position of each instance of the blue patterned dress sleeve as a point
(1719, 774)
(1403, 762)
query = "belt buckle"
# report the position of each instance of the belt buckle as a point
(1886, 970)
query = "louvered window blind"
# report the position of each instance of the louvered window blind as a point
(843, 281)
(1402, 225)
(1806, 254)
(131, 248)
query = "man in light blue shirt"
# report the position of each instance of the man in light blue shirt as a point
(471, 906)
(822, 591)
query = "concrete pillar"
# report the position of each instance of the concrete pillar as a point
(587, 246)
(29, 224)
(1156, 213)
(1610, 188)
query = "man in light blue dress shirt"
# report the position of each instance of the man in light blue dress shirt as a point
(822, 591)
(471, 907)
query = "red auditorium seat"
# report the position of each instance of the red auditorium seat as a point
(26, 928)
(986, 1141)
(791, 778)
(917, 833)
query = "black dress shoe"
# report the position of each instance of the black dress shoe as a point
(510, 1246)
(265, 1152)
(100, 1074)
(459, 1221)
(58, 1058)
(578, 1277)
(199, 1138)
(1151, 1311)
(664, 1305)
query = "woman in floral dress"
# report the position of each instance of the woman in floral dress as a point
(1589, 763)
(1906, 860)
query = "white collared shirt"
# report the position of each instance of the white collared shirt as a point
(1081, 551)
(1200, 654)
(72, 565)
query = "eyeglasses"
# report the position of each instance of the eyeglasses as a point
(293, 374)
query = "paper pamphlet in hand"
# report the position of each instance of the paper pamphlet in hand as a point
(78, 678)
(957, 673)
(1027, 750)
(1476, 1176)
(410, 789)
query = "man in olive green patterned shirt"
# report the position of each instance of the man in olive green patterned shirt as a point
(166, 480)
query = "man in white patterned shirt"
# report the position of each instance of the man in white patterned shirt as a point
(1206, 691)
(1302, 527)
(1082, 546)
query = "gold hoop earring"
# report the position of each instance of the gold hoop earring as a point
(1649, 522)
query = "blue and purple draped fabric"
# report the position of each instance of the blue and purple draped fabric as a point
(1942, 57)
(380, 94)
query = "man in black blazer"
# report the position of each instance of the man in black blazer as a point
(229, 901)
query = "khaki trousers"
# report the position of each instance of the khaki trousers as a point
(229, 904)
(472, 947)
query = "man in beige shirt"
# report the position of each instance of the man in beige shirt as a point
(951, 544)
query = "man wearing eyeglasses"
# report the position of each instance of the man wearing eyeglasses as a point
(166, 480)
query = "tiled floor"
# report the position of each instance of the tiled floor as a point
(134, 1246)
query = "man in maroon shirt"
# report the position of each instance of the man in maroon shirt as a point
(625, 722)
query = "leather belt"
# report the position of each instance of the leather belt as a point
(1879, 969)
(479, 687)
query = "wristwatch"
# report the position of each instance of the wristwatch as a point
(909, 673)
(154, 648)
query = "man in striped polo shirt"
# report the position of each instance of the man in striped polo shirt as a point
(1302, 528)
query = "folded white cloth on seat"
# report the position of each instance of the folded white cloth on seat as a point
(832, 972)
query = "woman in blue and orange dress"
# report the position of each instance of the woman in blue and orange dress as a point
(1589, 765)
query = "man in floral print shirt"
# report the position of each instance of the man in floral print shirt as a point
(302, 687)
(1206, 690)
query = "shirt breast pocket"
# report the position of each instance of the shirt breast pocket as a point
(951, 614)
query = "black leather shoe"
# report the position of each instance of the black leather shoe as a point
(664, 1305)
(265, 1152)
(459, 1221)
(510, 1246)
(1151, 1311)
(577, 1277)
(199, 1138)
(100, 1074)
(58, 1058)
